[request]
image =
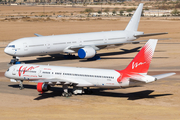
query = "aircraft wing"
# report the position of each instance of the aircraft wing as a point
(160, 76)
(138, 41)
(78, 82)
(73, 49)
(150, 34)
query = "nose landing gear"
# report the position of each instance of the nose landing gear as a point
(21, 85)
(15, 60)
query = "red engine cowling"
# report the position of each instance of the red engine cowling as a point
(42, 87)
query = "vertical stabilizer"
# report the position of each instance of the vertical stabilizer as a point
(140, 64)
(134, 22)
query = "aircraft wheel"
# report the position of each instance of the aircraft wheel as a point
(63, 94)
(21, 88)
(70, 94)
(66, 95)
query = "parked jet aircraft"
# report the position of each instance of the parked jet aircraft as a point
(85, 44)
(46, 76)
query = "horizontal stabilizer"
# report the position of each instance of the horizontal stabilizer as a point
(138, 41)
(136, 82)
(150, 34)
(38, 35)
(163, 75)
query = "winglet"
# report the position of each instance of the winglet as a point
(38, 35)
(134, 22)
(141, 63)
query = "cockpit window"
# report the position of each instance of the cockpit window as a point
(13, 46)
(7, 70)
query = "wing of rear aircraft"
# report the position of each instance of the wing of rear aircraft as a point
(138, 41)
(150, 34)
(73, 49)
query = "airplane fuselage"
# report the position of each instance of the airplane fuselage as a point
(88, 76)
(46, 45)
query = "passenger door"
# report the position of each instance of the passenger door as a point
(25, 46)
(40, 72)
(14, 71)
(48, 45)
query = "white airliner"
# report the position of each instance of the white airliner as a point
(85, 44)
(46, 76)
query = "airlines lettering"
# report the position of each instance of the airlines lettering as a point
(135, 65)
(23, 70)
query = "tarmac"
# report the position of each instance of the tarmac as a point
(157, 100)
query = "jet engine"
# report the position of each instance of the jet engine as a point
(42, 87)
(86, 52)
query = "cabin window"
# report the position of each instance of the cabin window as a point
(46, 72)
(13, 46)
(57, 73)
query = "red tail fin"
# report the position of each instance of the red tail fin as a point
(140, 64)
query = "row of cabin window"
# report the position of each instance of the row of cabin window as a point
(84, 75)
(72, 42)
(57, 73)
(80, 75)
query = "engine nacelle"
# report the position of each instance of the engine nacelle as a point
(86, 52)
(42, 87)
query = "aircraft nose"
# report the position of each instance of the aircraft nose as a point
(6, 74)
(6, 50)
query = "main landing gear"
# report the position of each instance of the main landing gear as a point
(76, 90)
(21, 85)
(65, 93)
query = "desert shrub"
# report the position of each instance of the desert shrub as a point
(175, 12)
(130, 9)
(88, 10)
(106, 10)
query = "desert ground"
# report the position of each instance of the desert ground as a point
(158, 100)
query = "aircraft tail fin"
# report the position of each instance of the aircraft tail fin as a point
(141, 62)
(134, 22)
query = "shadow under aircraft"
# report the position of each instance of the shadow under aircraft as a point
(56, 91)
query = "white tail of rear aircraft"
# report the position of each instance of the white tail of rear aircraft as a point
(134, 22)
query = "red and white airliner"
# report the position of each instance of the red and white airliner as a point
(46, 76)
